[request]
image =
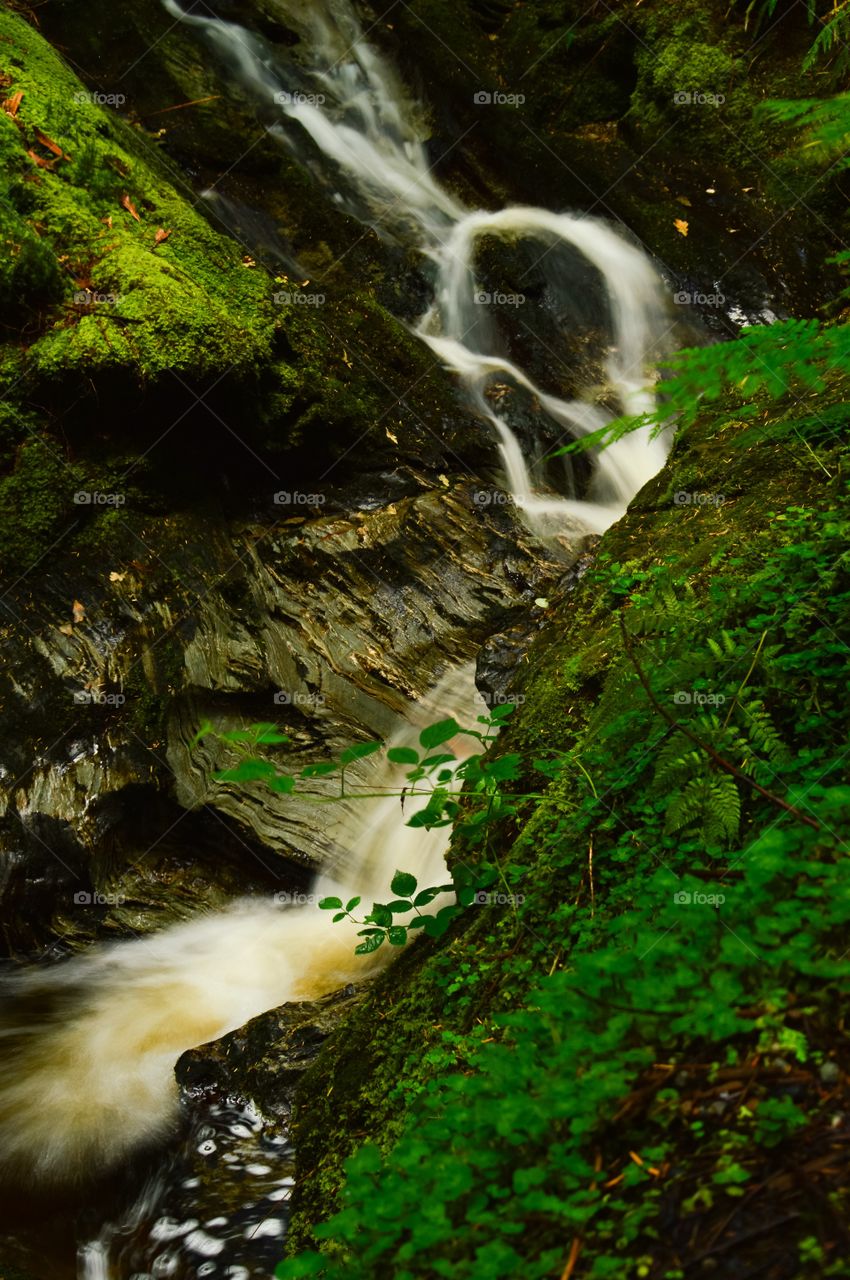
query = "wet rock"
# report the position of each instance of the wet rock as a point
(264, 1060)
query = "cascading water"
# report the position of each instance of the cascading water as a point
(110, 1025)
(343, 108)
(92, 1042)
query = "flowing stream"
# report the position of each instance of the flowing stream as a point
(91, 1042)
(342, 111)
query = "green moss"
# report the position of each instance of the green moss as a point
(34, 504)
(409, 1031)
(184, 301)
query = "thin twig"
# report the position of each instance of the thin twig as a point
(196, 102)
(743, 683)
(575, 1250)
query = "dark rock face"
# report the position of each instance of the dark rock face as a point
(188, 536)
(265, 1059)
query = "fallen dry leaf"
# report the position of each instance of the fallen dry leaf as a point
(161, 234)
(10, 106)
(50, 144)
(127, 203)
(117, 577)
(108, 220)
(390, 436)
(40, 161)
(66, 629)
(79, 611)
(681, 226)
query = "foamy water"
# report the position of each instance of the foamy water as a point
(91, 1043)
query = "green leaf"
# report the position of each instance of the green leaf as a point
(330, 904)
(400, 905)
(369, 944)
(436, 734)
(436, 926)
(359, 752)
(428, 895)
(206, 729)
(284, 783)
(403, 884)
(318, 770)
(397, 935)
(272, 737)
(247, 771)
(380, 914)
(354, 902)
(403, 755)
(340, 915)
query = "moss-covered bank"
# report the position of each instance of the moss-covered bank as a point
(642, 1062)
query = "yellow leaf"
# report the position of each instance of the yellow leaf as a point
(681, 226)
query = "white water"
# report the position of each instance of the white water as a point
(342, 110)
(90, 1044)
(92, 1075)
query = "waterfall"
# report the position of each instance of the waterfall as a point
(91, 1043)
(342, 111)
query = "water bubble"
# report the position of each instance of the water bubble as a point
(171, 1229)
(258, 1169)
(271, 1227)
(207, 1148)
(216, 1222)
(200, 1242)
(241, 1130)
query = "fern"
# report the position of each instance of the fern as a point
(711, 803)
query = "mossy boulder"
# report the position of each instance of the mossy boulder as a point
(146, 284)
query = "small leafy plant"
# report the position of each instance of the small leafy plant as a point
(435, 772)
